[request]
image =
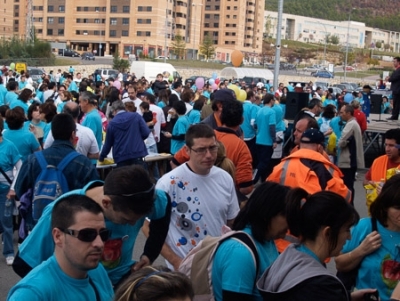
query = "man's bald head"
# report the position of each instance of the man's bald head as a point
(72, 108)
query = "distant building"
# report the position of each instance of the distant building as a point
(139, 27)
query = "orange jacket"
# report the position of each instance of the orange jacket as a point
(379, 168)
(293, 172)
(236, 150)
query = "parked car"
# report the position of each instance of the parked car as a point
(323, 85)
(107, 73)
(270, 66)
(35, 73)
(160, 57)
(253, 80)
(343, 86)
(354, 85)
(314, 68)
(88, 56)
(323, 73)
(286, 66)
(349, 68)
(191, 80)
(336, 90)
(68, 52)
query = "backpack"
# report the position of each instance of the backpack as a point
(50, 184)
(197, 264)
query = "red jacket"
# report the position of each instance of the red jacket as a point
(361, 119)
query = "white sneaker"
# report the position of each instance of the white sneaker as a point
(10, 260)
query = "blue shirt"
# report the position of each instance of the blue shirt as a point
(39, 245)
(24, 140)
(280, 124)
(249, 117)
(3, 92)
(194, 116)
(330, 102)
(10, 97)
(9, 157)
(19, 103)
(376, 269)
(21, 85)
(180, 128)
(234, 268)
(43, 283)
(93, 121)
(265, 118)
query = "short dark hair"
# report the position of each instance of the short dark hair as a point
(267, 98)
(49, 110)
(198, 104)
(307, 214)
(62, 126)
(232, 113)
(3, 110)
(329, 111)
(33, 107)
(199, 130)
(25, 95)
(65, 210)
(180, 107)
(126, 181)
(393, 134)
(151, 98)
(266, 202)
(144, 105)
(187, 95)
(389, 197)
(314, 102)
(12, 85)
(349, 109)
(15, 118)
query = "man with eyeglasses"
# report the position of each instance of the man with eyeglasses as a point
(127, 197)
(203, 196)
(73, 272)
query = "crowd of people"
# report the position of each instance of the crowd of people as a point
(237, 163)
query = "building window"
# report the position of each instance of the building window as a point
(79, 8)
(85, 20)
(61, 32)
(49, 32)
(61, 8)
(113, 9)
(96, 32)
(40, 20)
(61, 20)
(125, 33)
(77, 32)
(104, 8)
(86, 8)
(50, 20)
(40, 31)
(113, 33)
(97, 21)
(125, 21)
(125, 9)
(97, 9)
(113, 21)
(50, 8)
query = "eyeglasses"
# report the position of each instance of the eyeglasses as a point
(203, 150)
(88, 234)
(148, 191)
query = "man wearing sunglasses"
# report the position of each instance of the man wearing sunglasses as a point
(73, 271)
(127, 197)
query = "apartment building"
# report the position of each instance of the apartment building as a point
(140, 27)
(312, 30)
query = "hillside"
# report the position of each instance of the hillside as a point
(384, 14)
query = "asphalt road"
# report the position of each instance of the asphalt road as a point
(8, 278)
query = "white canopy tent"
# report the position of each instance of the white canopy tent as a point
(232, 72)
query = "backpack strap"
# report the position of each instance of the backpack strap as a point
(67, 159)
(41, 160)
(248, 241)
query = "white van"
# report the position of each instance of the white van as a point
(150, 70)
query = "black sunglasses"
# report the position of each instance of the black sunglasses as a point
(88, 234)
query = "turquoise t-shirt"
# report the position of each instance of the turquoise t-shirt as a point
(180, 128)
(249, 116)
(10, 97)
(39, 246)
(265, 117)
(19, 103)
(21, 85)
(380, 269)
(234, 268)
(194, 116)
(93, 121)
(73, 87)
(3, 92)
(161, 104)
(24, 140)
(330, 102)
(48, 282)
(9, 157)
(280, 124)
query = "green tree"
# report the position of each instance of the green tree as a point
(334, 39)
(178, 46)
(119, 63)
(207, 48)
(378, 44)
(386, 46)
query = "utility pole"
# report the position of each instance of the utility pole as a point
(166, 33)
(278, 44)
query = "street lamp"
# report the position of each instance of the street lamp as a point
(347, 45)
(325, 38)
(194, 33)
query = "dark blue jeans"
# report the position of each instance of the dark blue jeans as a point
(264, 153)
(136, 161)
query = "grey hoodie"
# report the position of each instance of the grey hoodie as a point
(293, 268)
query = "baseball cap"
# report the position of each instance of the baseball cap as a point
(224, 94)
(314, 136)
